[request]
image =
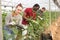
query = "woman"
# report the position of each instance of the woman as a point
(14, 18)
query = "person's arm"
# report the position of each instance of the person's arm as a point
(41, 14)
(8, 19)
(24, 16)
(40, 17)
(26, 13)
(20, 25)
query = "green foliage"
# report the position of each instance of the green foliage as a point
(36, 27)
(3, 18)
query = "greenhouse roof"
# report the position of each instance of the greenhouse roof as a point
(29, 3)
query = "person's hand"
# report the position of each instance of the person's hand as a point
(34, 21)
(12, 23)
(40, 17)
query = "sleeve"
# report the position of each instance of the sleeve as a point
(8, 18)
(25, 11)
(20, 20)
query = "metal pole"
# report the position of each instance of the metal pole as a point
(50, 12)
(55, 13)
(1, 34)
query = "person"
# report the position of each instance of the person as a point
(41, 13)
(29, 14)
(14, 18)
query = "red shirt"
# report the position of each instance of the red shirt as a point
(29, 13)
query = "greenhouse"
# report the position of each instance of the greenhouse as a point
(43, 27)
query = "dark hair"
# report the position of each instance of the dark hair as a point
(19, 5)
(36, 5)
(44, 8)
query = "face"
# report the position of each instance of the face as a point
(43, 10)
(18, 10)
(35, 8)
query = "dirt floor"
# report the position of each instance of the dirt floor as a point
(54, 29)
